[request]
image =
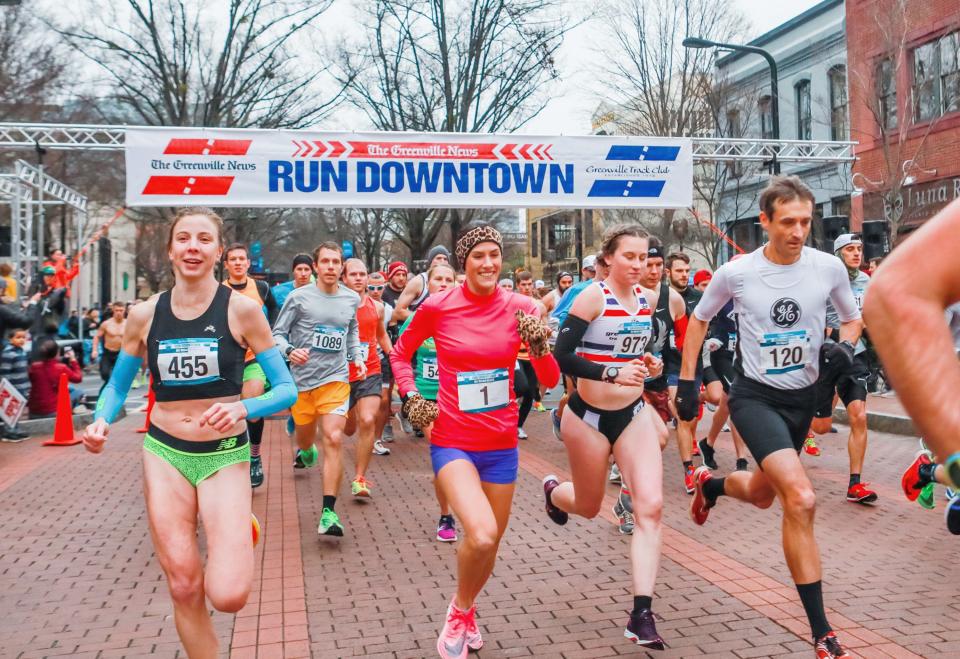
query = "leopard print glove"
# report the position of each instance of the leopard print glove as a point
(534, 333)
(420, 411)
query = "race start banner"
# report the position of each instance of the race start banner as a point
(239, 167)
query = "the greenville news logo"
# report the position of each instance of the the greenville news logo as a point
(196, 185)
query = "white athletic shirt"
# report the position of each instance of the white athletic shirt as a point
(781, 312)
(618, 335)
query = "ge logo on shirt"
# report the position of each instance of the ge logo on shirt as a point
(785, 312)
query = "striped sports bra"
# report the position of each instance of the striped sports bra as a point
(617, 336)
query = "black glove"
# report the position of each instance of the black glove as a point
(688, 400)
(835, 360)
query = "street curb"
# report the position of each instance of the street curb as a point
(890, 423)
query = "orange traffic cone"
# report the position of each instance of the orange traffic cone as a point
(150, 401)
(63, 430)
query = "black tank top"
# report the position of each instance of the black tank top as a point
(194, 359)
(662, 330)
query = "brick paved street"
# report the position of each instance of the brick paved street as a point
(79, 578)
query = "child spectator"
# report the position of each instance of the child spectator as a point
(13, 367)
(45, 378)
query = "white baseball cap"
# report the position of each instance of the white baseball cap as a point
(590, 262)
(538, 283)
(845, 239)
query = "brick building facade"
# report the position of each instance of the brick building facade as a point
(904, 86)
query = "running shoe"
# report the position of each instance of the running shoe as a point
(949, 493)
(360, 487)
(452, 642)
(446, 531)
(256, 471)
(833, 429)
(625, 499)
(688, 480)
(538, 407)
(379, 448)
(255, 526)
(330, 524)
(555, 418)
(522, 434)
(696, 449)
(642, 630)
(952, 516)
(290, 426)
(474, 640)
(726, 428)
(305, 459)
(828, 647)
(711, 407)
(700, 505)
(742, 464)
(708, 453)
(558, 516)
(405, 424)
(911, 482)
(810, 446)
(14, 440)
(860, 493)
(418, 433)
(615, 476)
(388, 433)
(625, 520)
(926, 498)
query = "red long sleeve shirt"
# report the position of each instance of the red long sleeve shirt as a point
(44, 380)
(477, 344)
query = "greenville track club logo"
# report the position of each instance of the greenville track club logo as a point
(785, 312)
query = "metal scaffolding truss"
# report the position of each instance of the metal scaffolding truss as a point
(51, 187)
(705, 149)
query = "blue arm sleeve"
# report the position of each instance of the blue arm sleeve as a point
(114, 394)
(283, 392)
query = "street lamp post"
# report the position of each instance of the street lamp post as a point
(696, 42)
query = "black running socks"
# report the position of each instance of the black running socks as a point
(713, 488)
(926, 473)
(329, 501)
(641, 602)
(687, 465)
(854, 479)
(811, 594)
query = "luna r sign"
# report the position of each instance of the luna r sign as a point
(241, 167)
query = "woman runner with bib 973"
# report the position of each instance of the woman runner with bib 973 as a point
(604, 344)
(196, 452)
(477, 330)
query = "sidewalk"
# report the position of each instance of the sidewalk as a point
(884, 414)
(79, 577)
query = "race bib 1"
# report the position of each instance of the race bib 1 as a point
(188, 361)
(783, 352)
(429, 369)
(483, 391)
(632, 338)
(328, 339)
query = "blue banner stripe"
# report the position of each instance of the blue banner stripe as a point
(626, 188)
(662, 153)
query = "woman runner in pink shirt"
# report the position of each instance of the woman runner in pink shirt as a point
(477, 329)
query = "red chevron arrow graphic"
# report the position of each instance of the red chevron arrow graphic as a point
(546, 152)
(320, 150)
(338, 148)
(524, 151)
(507, 151)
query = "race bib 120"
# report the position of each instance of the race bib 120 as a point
(782, 352)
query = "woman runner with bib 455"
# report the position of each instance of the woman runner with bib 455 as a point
(196, 452)
(477, 329)
(604, 343)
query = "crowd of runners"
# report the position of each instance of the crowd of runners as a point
(769, 342)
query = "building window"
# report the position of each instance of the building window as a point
(804, 116)
(534, 240)
(766, 118)
(838, 102)
(841, 206)
(887, 93)
(936, 77)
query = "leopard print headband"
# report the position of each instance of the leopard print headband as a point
(475, 236)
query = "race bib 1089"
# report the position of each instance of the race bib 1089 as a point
(328, 339)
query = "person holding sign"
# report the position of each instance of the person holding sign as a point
(780, 294)
(196, 453)
(440, 278)
(317, 331)
(605, 343)
(477, 329)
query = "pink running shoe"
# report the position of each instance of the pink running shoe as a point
(452, 642)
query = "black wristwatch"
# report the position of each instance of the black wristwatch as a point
(407, 396)
(288, 351)
(610, 373)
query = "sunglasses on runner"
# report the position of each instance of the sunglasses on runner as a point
(375, 287)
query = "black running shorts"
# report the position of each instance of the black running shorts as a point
(851, 386)
(771, 419)
(721, 368)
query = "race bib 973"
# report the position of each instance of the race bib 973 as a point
(188, 361)
(632, 338)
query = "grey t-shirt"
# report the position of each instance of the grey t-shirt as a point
(327, 325)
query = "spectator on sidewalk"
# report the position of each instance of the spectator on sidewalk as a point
(48, 306)
(9, 294)
(45, 379)
(13, 367)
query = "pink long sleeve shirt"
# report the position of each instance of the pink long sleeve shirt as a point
(477, 344)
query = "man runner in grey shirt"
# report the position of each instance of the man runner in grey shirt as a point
(317, 331)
